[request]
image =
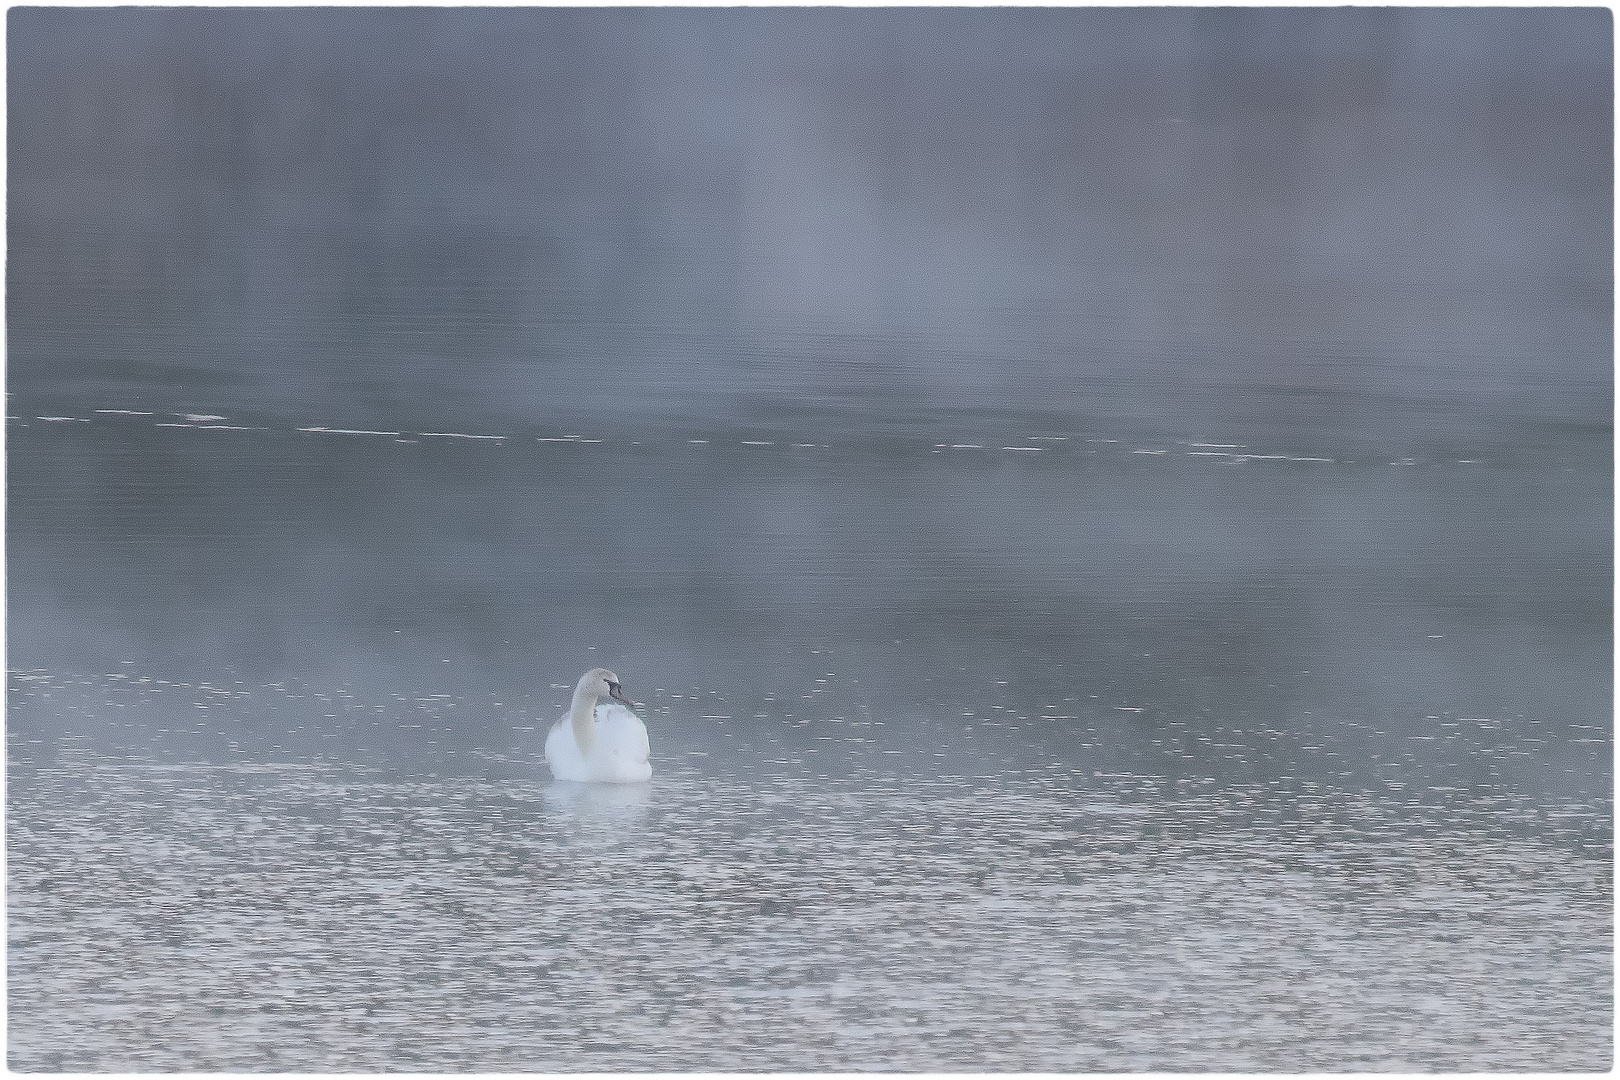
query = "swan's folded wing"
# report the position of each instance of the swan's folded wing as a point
(623, 730)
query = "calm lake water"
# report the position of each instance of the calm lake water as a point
(1100, 754)
(1108, 514)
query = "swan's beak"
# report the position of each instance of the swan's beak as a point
(618, 695)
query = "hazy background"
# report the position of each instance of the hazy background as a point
(1374, 237)
(1175, 218)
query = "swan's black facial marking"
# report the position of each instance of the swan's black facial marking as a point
(617, 694)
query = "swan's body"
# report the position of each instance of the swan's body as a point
(601, 744)
(617, 753)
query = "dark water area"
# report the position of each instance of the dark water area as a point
(1107, 514)
(1291, 219)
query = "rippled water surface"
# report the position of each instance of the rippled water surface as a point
(329, 917)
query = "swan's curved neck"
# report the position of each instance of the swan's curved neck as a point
(582, 717)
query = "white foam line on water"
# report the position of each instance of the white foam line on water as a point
(1280, 457)
(208, 421)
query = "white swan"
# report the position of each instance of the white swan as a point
(606, 745)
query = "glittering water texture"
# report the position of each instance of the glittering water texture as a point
(312, 915)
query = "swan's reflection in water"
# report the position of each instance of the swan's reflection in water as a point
(596, 813)
(311, 918)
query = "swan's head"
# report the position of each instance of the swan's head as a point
(600, 682)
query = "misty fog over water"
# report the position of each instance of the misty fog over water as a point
(1050, 478)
